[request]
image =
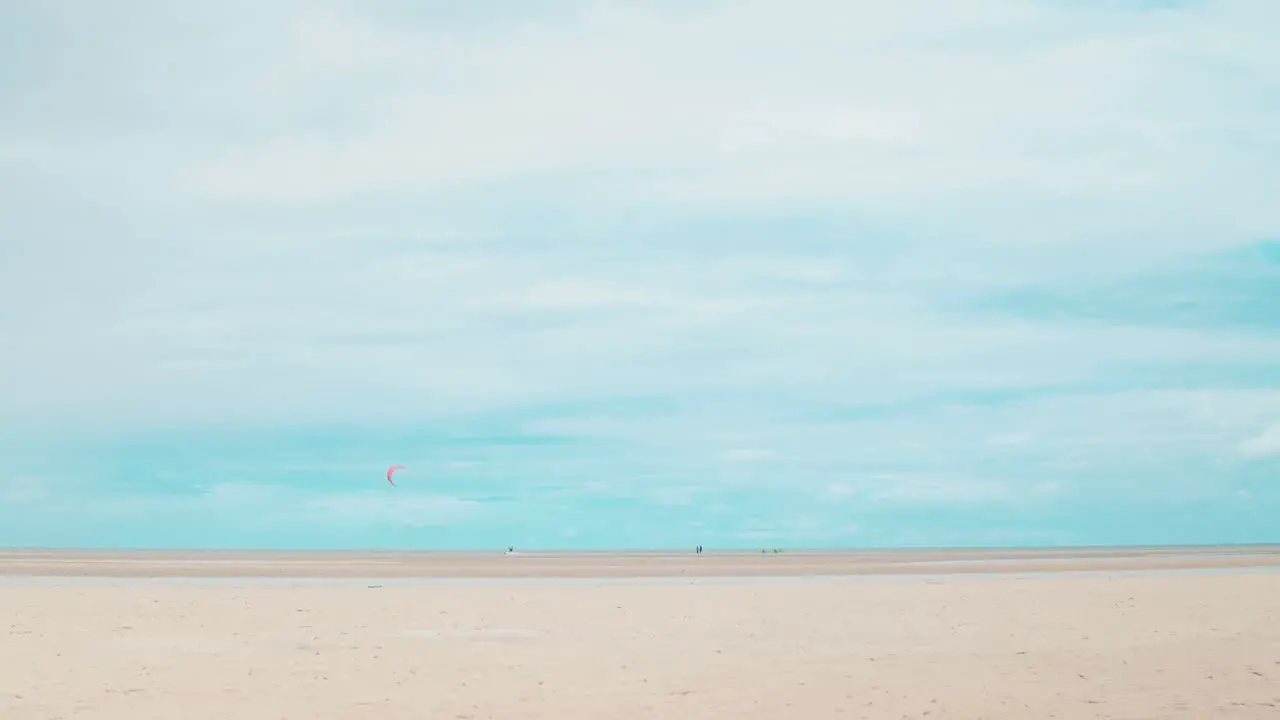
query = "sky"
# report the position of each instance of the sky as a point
(611, 274)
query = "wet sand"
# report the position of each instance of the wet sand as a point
(353, 564)
(995, 635)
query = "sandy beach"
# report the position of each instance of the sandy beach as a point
(1011, 634)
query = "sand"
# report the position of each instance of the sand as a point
(749, 637)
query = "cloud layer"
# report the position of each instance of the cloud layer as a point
(633, 273)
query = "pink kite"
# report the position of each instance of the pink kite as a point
(392, 471)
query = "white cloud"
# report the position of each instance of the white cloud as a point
(239, 494)
(1177, 443)
(882, 106)
(749, 454)
(952, 488)
(995, 111)
(334, 212)
(391, 508)
(1265, 444)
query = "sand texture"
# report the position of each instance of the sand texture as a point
(1042, 645)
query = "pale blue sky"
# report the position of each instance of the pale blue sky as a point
(823, 272)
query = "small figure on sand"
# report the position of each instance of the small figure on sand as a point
(699, 550)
